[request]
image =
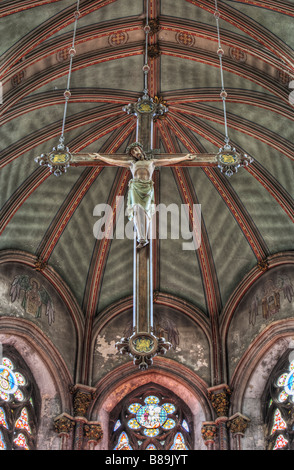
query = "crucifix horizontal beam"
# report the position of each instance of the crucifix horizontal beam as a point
(60, 159)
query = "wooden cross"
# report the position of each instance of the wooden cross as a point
(143, 345)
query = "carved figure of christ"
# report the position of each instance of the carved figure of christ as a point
(140, 204)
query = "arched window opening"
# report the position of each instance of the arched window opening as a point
(19, 403)
(151, 418)
(279, 405)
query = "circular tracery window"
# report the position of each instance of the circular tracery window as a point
(151, 420)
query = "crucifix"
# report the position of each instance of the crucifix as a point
(142, 159)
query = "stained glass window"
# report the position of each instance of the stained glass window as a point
(280, 409)
(2, 442)
(22, 422)
(117, 425)
(18, 416)
(21, 441)
(151, 420)
(3, 420)
(280, 442)
(123, 442)
(185, 425)
(179, 442)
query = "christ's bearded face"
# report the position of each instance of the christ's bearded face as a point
(137, 153)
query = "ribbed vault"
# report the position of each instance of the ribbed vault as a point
(245, 220)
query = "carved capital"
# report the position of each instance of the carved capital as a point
(220, 399)
(238, 424)
(63, 424)
(93, 432)
(82, 397)
(208, 432)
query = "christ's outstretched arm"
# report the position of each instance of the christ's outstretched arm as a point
(112, 160)
(171, 160)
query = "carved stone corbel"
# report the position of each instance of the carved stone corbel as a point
(220, 400)
(93, 432)
(208, 432)
(238, 424)
(82, 398)
(63, 425)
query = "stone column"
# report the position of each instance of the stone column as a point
(93, 432)
(82, 397)
(63, 425)
(208, 432)
(238, 424)
(220, 400)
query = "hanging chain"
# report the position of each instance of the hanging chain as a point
(67, 93)
(146, 67)
(220, 54)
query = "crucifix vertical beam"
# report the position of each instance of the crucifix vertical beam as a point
(143, 345)
(143, 271)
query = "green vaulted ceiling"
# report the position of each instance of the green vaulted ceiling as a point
(245, 219)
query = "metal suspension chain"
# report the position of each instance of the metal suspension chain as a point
(146, 67)
(220, 54)
(67, 93)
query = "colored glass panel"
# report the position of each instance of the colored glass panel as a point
(151, 432)
(8, 383)
(283, 396)
(282, 380)
(151, 416)
(117, 425)
(280, 442)
(21, 441)
(279, 423)
(2, 442)
(123, 442)
(270, 402)
(133, 424)
(19, 395)
(4, 396)
(134, 407)
(151, 447)
(20, 378)
(289, 386)
(3, 421)
(179, 442)
(22, 422)
(151, 400)
(7, 363)
(185, 425)
(169, 424)
(169, 408)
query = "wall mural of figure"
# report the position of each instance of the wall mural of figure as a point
(34, 297)
(269, 298)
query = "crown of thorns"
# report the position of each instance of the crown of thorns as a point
(134, 144)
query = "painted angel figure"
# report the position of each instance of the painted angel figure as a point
(35, 296)
(140, 205)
